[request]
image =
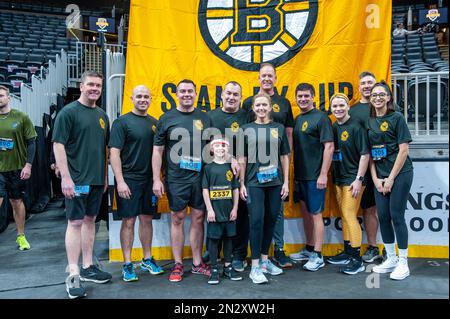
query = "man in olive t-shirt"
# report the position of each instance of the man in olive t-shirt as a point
(17, 148)
(80, 142)
(360, 112)
(281, 113)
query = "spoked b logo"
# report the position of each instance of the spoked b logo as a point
(246, 33)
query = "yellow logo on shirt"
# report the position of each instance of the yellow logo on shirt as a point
(102, 123)
(274, 132)
(154, 128)
(304, 126)
(235, 127)
(344, 136)
(384, 126)
(198, 125)
(229, 176)
(276, 108)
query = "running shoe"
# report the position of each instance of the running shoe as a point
(387, 266)
(74, 288)
(401, 271)
(128, 273)
(230, 273)
(340, 259)
(281, 259)
(257, 276)
(314, 263)
(94, 274)
(239, 265)
(301, 255)
(202, 269)
(176, 273)
(150, 265)
(372, 253)
(268, 267)
(214, 277)
(353, 267)
(22, 242)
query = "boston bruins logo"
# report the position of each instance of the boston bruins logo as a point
(276, 108)
(384, 126)
(102, 123)
(235, 127)
(304, 126)
(198, 125)
(229, 176)
(344, 136)
(246, 33)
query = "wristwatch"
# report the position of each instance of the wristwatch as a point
(360, 178)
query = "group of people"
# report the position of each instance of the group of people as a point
(230, 167)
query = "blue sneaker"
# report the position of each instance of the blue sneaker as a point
(150, 265)
(128, 273)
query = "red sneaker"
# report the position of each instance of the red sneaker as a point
(177, 273)
(202, 269)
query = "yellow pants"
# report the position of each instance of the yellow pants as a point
(348, 207)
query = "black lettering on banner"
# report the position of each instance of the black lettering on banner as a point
(416, 205)
(267, 26)
(346, 86)
(431, 224)
(284, 90)
(218, 96)
(326, 221)
(322, 97)
(439, 203)
(330, 94)
(165, 90)
(338, 223)
(255, 90)
(412, 224)
(203, 99)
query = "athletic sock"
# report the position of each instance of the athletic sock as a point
(347, 246)
(390, 250)
(309, 248)
(403, 253)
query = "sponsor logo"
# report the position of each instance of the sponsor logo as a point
(102, 23)
(433, 14)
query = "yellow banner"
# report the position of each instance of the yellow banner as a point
(327, 43)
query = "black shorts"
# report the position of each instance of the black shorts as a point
(368, 196)
(12, 185)
(85, 204)
(182, 195)
(221, 230)
(142, 201)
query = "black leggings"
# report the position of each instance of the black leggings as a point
(264, 205)
(240, 241)
(213, 249)
(391, 210)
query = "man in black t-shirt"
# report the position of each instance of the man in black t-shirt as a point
(179, 136)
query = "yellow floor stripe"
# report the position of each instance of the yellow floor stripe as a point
(165, 253)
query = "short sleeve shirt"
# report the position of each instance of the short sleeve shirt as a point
(281, 110)
(84, 132)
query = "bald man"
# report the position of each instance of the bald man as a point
(131, 147)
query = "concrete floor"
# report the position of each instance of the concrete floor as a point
(39, 274)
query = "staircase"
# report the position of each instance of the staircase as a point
(443, 49)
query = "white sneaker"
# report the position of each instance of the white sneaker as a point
(301, 255)
(268, 267)
(401, 271)
(387, 266)
(314, 263)
(257, 276)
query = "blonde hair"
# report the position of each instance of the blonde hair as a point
(339, 95)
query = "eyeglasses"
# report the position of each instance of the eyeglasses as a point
(375, 95)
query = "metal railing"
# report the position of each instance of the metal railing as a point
(423, 99)
(88, 56)
(115, 76)
(36, 98)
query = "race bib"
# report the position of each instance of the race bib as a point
(378, 152)
(219, 194)
(337, 156)
(81, 190)
(6, 144)
(191, 163)
(267, 174)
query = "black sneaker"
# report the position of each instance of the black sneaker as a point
(372, 253)
(281, 259)
(353, 267)
(92, 273)
(74, 288)
(214, 277)
(230, 273)
(340, 259)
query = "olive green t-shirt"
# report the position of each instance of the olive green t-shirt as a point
(388, 131)
(360, 112)
(228, 124)
(264, 144)
(133, 135)
(350, 142)
(84, 132)
(281, 110)
(312, 129)
(181, 134)
(15, 129)
(220, 182)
